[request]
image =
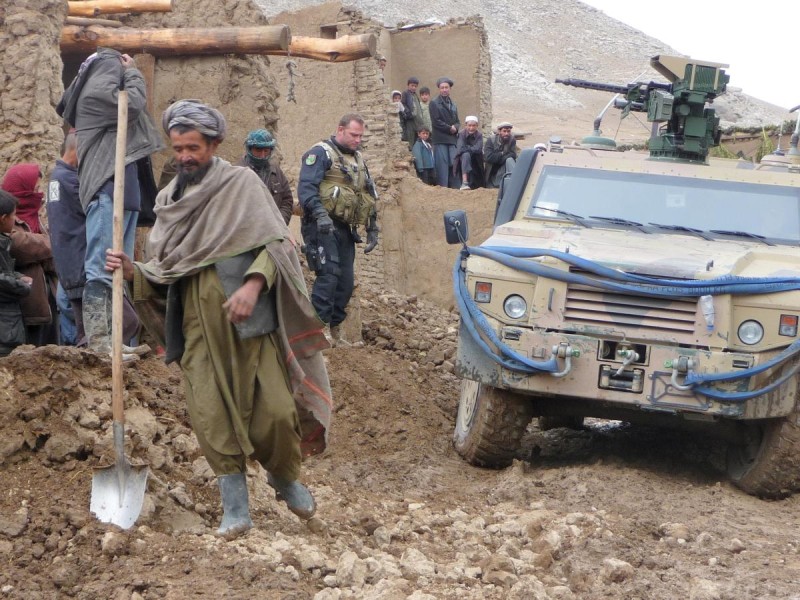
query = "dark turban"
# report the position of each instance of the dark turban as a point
(195, 115)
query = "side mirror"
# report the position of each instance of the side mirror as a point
(456, 229)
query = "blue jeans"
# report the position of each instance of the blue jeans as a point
(100, 236)
(66, 321)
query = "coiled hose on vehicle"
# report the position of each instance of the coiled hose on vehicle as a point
(618, 281)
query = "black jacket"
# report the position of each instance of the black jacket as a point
(443, 115)
(67, 223)
(12, 328)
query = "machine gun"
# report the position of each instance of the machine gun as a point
(689, 128)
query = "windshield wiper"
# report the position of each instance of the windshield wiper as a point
(745, 234)
(620, 221)
(697, 232)
(571, 216)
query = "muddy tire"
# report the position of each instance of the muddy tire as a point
(570, 422)
(490, 424)
(768, 464)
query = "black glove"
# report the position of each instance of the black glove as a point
(372, 240)
(324, 222)
(356, 236)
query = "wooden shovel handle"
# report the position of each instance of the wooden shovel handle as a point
(117, 405)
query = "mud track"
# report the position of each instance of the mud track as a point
(609, 511)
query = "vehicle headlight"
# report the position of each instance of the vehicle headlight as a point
(750, 332)
(515, 306)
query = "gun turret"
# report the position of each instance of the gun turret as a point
(690, 128)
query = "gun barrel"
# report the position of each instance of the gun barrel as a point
(593, 85)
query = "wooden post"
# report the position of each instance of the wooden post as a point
(86, 22)
(172, 42)
(95, 8)
(146, 63)
(271, 40)
(342, 49)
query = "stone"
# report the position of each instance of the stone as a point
(703, 589)
(186, 445)
(14, 524)
(736, 546)
(141, 421)
(309, 558)
(61, 446)
(678, 531)
(114, 544)
(616, 571)
(415, 564)
(351, 571)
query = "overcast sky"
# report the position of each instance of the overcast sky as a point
(759, 40)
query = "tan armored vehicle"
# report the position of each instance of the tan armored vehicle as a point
(659, 288)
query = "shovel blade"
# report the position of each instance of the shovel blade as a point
(118, 494)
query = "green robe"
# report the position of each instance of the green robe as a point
(236, 389)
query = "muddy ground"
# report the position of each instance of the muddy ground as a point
(606, 512)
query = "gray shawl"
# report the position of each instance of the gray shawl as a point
(228, 213)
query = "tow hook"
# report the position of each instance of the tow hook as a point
(567, 352)
(628, 357)
(681, 365)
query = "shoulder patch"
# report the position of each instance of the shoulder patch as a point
(311, 159)
(53, 191)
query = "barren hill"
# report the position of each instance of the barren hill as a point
(533, 42)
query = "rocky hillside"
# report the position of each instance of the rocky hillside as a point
(533, 42)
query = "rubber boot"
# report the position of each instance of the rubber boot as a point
(326, 331)
(235, 504)
(97, 316)
(336, 335)
(297, 497)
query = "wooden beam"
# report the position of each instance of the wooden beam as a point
(272, 40)
(146, 63)
(95, 8)
(172, 42)
(342, 49)
(86, 22)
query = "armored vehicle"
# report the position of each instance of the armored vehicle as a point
(659, 287)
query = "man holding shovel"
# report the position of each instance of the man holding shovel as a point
(238, 318)
(90, 105)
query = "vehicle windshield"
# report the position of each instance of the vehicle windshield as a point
(739, 208)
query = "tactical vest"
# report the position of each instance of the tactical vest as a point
(344, 190)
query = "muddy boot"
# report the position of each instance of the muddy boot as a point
(338, 339)
(235, 505)
(297, 497)
(326, 331)
(140, 350)
(97, 316)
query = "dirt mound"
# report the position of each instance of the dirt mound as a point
(604, 512)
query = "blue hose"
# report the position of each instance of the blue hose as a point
(473, 318)
(614, 280)
(638, 284)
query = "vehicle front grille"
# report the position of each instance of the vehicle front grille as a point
(588, 306)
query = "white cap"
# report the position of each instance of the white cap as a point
(471, 119)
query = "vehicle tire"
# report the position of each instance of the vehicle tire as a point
(570, 422)
(768, 464)
(490, 424)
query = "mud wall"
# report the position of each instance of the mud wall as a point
(418, 260)
(241, 87)
(458, 50)
(321, 92)
(30, 82)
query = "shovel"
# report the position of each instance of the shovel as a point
(118, 490)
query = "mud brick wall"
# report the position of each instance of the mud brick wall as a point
(30, 82)
(242, 87)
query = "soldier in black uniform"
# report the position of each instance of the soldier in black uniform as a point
(337, 195)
